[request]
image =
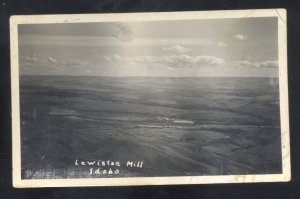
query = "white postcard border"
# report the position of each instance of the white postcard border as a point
(83, 18)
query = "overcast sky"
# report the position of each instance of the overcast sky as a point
(209, 47)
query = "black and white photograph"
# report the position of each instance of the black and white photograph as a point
(150, 98)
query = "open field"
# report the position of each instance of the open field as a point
(176, 126)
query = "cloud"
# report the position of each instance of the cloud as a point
(177, 49)
(169, 62)
(240, 37)
(221, 44)
(32, 58)
(262, 64)
(32, 65)
(187, 60)
(52, 60)
(268, 64)
(75, 63)
(35, 60)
